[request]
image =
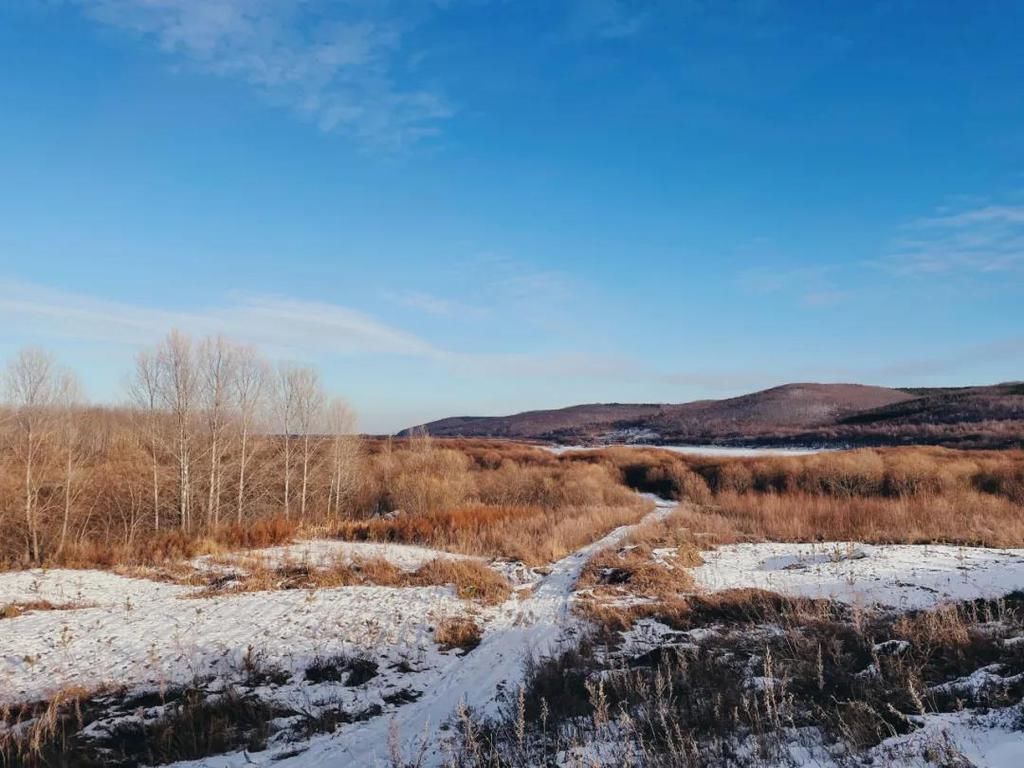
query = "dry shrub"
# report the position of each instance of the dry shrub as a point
(623, 583)
(947, 625)
(426, 479)
(891, 495)
(489, 498)
(471, 579)
(964, 517)
(42, 734)
(458, 632)
(14, 610)
(534, 534)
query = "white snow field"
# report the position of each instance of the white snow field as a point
(897, 576)
(143, 637)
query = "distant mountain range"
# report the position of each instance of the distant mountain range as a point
(792, 414)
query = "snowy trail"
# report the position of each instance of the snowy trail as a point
(518, 627)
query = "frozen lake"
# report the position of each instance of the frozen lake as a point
(698, 450)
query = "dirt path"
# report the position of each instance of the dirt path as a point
(521, 626)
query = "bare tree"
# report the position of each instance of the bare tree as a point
(31, 388)
(145, 391)
(69, 399)
(178, 385)
(248, 389)
(284, 406)
(344, 453)
(309, 411)
(217, 364)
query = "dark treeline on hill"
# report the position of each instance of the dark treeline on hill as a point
(792, 414)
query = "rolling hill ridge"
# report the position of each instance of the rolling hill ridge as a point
(804, 413)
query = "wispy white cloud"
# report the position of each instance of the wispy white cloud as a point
(979, 240)
(1007, 350)
(515, 281)
(607, 19)
(281, 326)
(331, 62)
(430, 304)
(812, 286)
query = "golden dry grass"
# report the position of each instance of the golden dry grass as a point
(458, 632)
(627, 580)
(14, 610)
(532, 534)
(471, 579)
(886, 495)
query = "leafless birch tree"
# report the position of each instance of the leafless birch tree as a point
(248, 395)
(31, 387)
(217, 362)
(178, 385)
(145, 391)
(341, 425)
(69, 400)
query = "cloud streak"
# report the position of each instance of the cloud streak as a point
(285, 325)
(982, 240)
(333, 63)
(281, 326)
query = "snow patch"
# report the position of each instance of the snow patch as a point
(897, 576)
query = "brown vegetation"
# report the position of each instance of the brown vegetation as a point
(14, 610)
(488, 499)
(765, 668)
(215, 444)
(458, 632)
(471, 579)
(882, 495)
(221, 452)
(629, 575)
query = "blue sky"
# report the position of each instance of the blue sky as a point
(478, 207)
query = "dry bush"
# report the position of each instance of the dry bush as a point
(471, 579)
(769, 669)
(532, 534)
(536, 514)
(891, 495)
(963, 517)
(42, 734)
(14, 610)
(625, 581)
(458, 632)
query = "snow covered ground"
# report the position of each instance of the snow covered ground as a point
(142, 635)
(147, 635)
(897, 576)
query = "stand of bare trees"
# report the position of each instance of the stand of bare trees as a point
(213, 436)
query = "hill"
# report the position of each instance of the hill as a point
(805, 413)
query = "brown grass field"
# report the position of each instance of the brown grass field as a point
(501, 499)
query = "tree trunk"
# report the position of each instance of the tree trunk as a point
(287, 473)
(241, 471)
(67, 502)
(33, 534)
(305, 475)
